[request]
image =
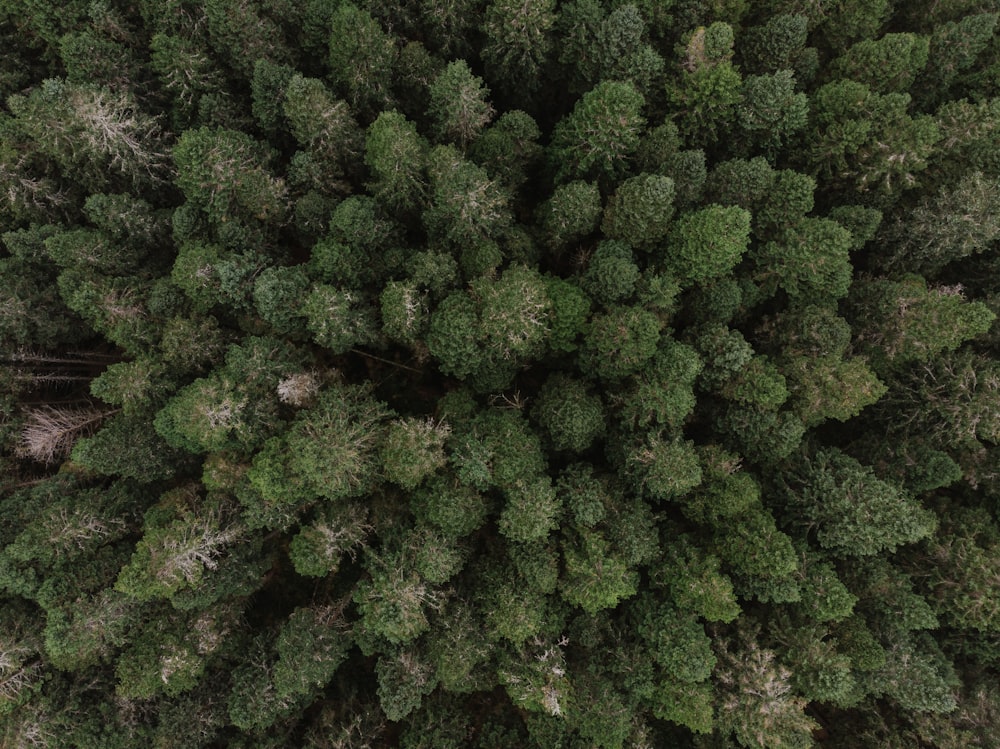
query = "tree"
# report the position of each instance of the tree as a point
(244, 32)
(868, 140)
(468, 212)
(954, 47)
(319, 547)
(311, 646)
(225, 174)
(459, 105)
(175, 556)
(909, 321)
(771, 111)
(956, 223)
(663, 467)
(810, 261)
(640, 210)
(600, 135)
(92, 132)
(756, 701)
(517, 42)
(396, 155)
(413, 450)
(508, 150)
(663, 393)
(709, 88)
(619, 342)
(707, 243)
(571, 213)
(362, 58)
(899, 58)
(612, 273)
(595, 577)
(779, 44)
(336, 319)
(322, 124)
(571, 416)
(333, 444)
(853, 511)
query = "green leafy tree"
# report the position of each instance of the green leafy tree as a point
(664, 391)
(707, 243)
(459, 106)
(322, 124)
(909, 321)
(709, 88)
(612, 273)
(518, 41)
(573, 212)
(810, 261)
(854, 512)
(319, 548)
(397, 157)
(469, 212)
(756, 702)
(898, 58)
(333, 444)
(957, 222)
(619, 342)
(598, 138)
(868, 140)
(92, 132)
(571, 416)
(640, 210)
(362, 57)
(413, 450)
(225, 174)
(595, 578)
(772, 112)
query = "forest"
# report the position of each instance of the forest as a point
(488, 374)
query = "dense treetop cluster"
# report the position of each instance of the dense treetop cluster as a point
(500, 373)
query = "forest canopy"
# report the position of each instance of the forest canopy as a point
(500, 373)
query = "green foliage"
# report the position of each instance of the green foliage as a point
(619, 342)
(909, 321)
(640, 210)
(319, 547)
(954, 224)
(468, 373)
(468, 210)
(361, 57)
(600, 135)
(413, 450)
(849, 120)
(664, 468)
(707, 243)
(611, 273)
(310, 647)
(771, 111)
(509, 149)
(225, 174)
(517, 41)
(332, 445)
(573, 212)
(567, 315)
(810, 261)
(335, 319)
(854, 512)
(321, 123)
(898, 58)
(571, 416)
(664, 391)
(396, 155)
(459, 105)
